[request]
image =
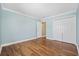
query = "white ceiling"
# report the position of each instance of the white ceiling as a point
(41, 9)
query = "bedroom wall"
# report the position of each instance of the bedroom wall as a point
(0, 27)
(0, 24)
(49, 28)
(77, 18)
(16, 27)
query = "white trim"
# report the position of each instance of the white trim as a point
(77, 48)
(61, 40)
(64, 15)
(49, 38)
(19, 13)
(0, 49)
(7, 44)
(31, 39)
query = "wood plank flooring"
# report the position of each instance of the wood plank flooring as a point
(34, 48)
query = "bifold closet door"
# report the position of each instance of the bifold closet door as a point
(57, 30)
(65, 30)
(69, 30)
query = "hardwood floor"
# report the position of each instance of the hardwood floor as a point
(35, 48)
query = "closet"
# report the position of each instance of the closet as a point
(65, 30)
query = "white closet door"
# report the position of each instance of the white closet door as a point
(57, 30)
(65, 30)
(69, 30)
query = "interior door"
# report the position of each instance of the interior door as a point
(44, 29)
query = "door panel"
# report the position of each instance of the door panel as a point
(57, 30)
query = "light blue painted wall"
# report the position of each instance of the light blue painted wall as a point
(49, 28)
(15, 27)
(0, 24)
(77, 19)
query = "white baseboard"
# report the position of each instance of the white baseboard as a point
(68, 42)
(28, 40)
(7, 44)
(0, 49)
(62, 40)
(77, 48)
